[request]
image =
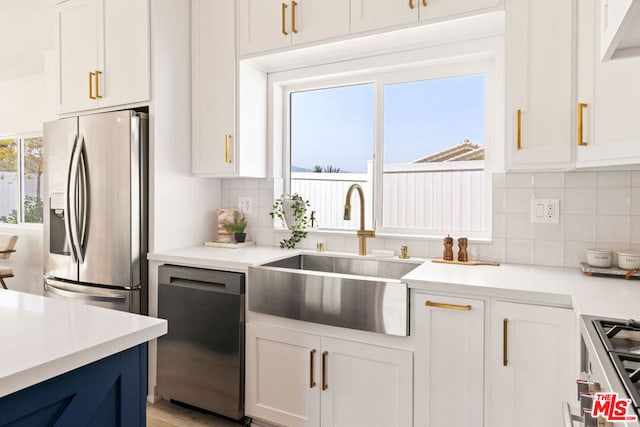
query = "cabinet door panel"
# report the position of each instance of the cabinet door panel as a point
(442, 8)
(278, 379)
(126, 53)
(261, 24)
(449, 362)
(213, 87)
(369, 15)
(541, 365)
(320, 19)
(77, 28)
(367, 385)
(539, 52)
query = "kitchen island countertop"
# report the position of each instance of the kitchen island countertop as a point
(44, 337)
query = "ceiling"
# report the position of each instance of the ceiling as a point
(26, 32)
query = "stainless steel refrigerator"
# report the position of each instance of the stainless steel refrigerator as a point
(95, 210)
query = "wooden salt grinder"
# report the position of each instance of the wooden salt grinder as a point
(462, 249)
(448, 249)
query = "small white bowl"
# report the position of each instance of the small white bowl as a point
(629, 260)
(599, 257)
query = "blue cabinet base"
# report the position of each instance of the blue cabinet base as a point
(108, 392)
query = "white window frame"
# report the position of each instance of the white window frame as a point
(478, 56)
(20, 137)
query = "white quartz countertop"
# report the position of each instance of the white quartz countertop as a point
(44, 337)
(222, 258)
(599, 296)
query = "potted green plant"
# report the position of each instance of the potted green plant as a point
(237, 227)
(292, 211)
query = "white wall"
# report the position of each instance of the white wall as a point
(23, 105)
(23, 109)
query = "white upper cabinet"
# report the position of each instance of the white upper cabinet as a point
(620, 32)
(367, 15)
(274, 24)
(608, 92)
(227, 100)
(103, 53)
(539, 83)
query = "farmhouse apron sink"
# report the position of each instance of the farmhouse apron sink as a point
(357, 293)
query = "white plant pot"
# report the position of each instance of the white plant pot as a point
(288, 206)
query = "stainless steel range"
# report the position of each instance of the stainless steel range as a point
(610, 363)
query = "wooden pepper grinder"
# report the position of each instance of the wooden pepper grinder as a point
(448, 248)
(462, 249)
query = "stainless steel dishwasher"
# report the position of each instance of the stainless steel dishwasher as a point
(201, 358)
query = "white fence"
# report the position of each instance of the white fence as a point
(437, 196)
(9, 189)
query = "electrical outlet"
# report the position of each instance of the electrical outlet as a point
(545, 211)
(245, 204)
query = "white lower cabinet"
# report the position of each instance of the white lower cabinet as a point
(533, 364)
(298, 379)
(449, 361)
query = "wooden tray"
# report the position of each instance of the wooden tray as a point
(609, 271)
(442, 261)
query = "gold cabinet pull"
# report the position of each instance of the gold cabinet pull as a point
(505, 358)
(449, 306)
(312, 380)
(97, 74)
(284, 11)
(519, 136)
(293, 17)
(424, 3)
(226, 148)
(91, 74)
(411, 4)
(324, 370)
(581, 106)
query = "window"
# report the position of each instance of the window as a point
(21, 169)
(414, 139)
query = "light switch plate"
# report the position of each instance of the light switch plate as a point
(545, 211)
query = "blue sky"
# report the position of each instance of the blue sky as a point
(336, 126)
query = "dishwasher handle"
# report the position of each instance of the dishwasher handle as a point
(201, 278)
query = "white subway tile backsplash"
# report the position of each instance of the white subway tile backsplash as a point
(519, 180)
(635, 229)
(613, 201)
(574, 252)
(614, 179)
(519, 226)
(519, 200)
(499, 225)
(499, 180)
(613, 228)
(548, 231)
(549, 193)
(579, 179)
(635, 178)
(579, 201)
(519, 251)
(548, 179)
(579, 228)
(499, 200)
(494, 251)
(635, 201)
(548, 252)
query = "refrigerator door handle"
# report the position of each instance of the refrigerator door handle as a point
(83, 199)
(70, 205)
(73, 199)
(82, 296)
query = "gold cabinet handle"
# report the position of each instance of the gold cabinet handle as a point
(424, 3)
(411, 4)
(324, 370)
(284, 11)
(312, 380)
(505, 358)
(226, 148)
(91, 74)
(449, 306)
(519, 136)
(293, 17)
(581, 107)
(97, 74)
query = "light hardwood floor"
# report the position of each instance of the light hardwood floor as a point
(166, 414)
